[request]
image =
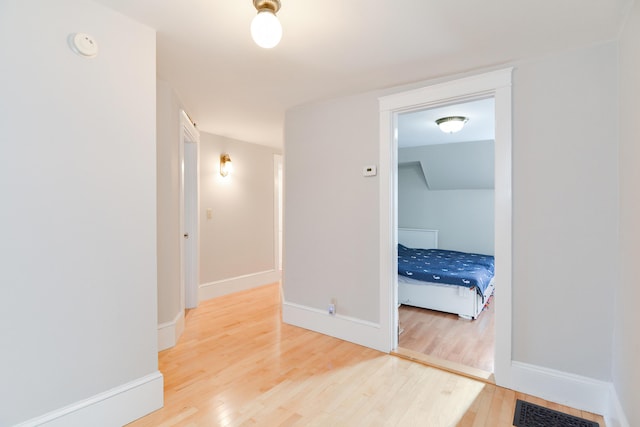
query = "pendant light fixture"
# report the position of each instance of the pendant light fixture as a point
(451, 124)
(266, 30)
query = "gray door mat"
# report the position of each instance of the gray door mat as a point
(530, 415)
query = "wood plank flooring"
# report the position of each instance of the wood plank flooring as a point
(237, 364)
(448, 337)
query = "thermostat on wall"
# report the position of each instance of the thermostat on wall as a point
(370, 170)
(84, 45)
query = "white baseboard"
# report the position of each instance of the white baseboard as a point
(568, 389)
(615, 416)
(170, 332)
(587, 394)
(115, 407)
(236, 284)
(347, 328)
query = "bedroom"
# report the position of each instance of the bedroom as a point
(445, 200)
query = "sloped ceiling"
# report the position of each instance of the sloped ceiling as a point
(338, 47)
(456, 166)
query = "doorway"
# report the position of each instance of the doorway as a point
(189, 208)
(445, 192)
(496, 84)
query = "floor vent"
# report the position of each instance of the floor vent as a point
(530, 415)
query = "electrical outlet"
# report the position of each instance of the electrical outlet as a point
(332, 309)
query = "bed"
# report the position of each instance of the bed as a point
(450, 281)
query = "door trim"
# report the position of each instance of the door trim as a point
(498, 85)
(278, 204)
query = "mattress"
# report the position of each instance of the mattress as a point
(441, 266)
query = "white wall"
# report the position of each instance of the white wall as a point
(77, 178)
(565, 214)
(238, 239)
(331, 210)
(565, 209)
(626, 339)
(464, 218)
(463, 214)
(168, 194)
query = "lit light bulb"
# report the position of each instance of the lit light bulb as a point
(228, 167)
(266, 29)
(451, 124)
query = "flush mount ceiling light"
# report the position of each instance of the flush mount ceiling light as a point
(451, 124)
(265, 27)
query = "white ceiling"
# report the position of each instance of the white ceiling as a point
(337, 47)
(419, 128)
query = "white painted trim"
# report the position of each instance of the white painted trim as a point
(498, 85)
(567, 389)
(170, 332)
(436, 94)
(118, 406)
(614, 415)
(503, 230)
(343, 327)
(277, 207)
(388, 199)
(236, 284)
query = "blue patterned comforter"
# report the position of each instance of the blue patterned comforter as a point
(450, 267)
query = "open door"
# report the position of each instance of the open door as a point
(189, 208)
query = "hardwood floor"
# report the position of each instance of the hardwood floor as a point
(448, 337)
(237, 364)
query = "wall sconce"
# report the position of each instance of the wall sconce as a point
(451, 124)
(225, 165)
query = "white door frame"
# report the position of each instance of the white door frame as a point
(496, 84)
(278, 198)
(189, 212)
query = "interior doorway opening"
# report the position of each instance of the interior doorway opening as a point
(445, 204)
(496, 84)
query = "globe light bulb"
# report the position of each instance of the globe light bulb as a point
(266, 30)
